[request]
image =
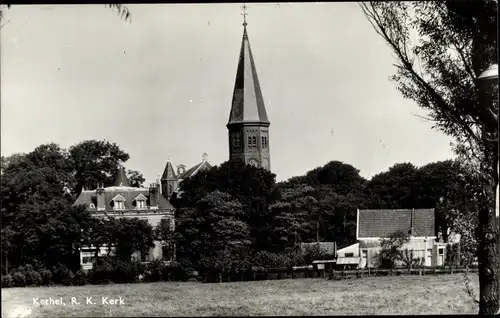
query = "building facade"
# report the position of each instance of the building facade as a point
(374, 225)
(123, 201)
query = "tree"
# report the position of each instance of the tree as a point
(95, 162)
(391, 253)
(135, 178)
(455, 42)
(252, 187)
(342, 177)
(215, 224)
(393, 189)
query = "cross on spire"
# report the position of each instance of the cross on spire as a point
(244, 14)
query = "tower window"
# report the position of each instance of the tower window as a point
(249, 141)
(262, 142)
(236, 140)
(254, 141)
(265, 142)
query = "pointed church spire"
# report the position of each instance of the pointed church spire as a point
(248, 103)
(168, 173)
(121, 179)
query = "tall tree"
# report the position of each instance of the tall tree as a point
(95, 162)
(393, 189)
(441, 47)
(214, 225)
(37, 213)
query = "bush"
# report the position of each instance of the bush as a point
(62, 275)
(126, 271)
(312, 253)
(46, 276)
(80, 278)
(33, 278)
(101, 271)
(19, 279)
(155, 271)
(7, 281)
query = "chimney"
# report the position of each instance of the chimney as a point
(153, 195)
(101, 200)
(412, 224)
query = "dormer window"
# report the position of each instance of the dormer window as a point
(140, 202)
(118, 202)
(92, 206)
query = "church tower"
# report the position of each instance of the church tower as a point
(248, 125)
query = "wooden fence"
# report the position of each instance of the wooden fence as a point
(345, 274)
(281, 273)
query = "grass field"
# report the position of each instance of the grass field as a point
(442, 294)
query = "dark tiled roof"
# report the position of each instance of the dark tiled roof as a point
(381, 223)
(204, 165)
(121, 178)
(168, 173)
(90, 196)
(248, 103)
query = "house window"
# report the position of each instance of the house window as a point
(441, 251)
(119, 205)
(141, 204)
(349, 255)
(254, 141)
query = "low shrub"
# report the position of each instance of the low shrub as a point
(46, 276)
(7, 281)
(62, 275)
(101, 271)
(80, 278)
(19, 280)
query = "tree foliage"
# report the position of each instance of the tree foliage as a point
(441, 47)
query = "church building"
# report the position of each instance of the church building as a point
(248, 131)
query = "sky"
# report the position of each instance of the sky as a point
(161, 85)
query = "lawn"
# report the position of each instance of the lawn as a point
(441, 294)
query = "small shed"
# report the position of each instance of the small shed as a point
(324, 264)
(347, 262)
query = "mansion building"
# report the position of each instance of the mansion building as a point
(248, 132)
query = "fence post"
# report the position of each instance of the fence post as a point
(343, 273)
(358, 274)
(390, 272)
(451, 270)
(368, 271)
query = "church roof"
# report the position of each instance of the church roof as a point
(121, 179)
(169, 172)
(248, 103)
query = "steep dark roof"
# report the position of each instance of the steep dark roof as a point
(90, 196)
(204, 165)
(381, 223)
(168, 173)
(248, 103)
(121, 179)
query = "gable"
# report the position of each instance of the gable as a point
(118, 197)
(140, 197)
